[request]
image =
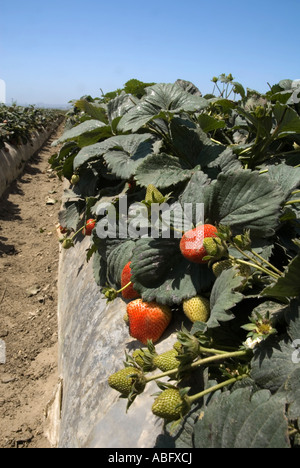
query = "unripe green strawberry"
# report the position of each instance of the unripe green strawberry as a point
(169, 405)
(124, 379)
(166, 361)
(75, 179)
(67, 243)
(219, 267)
(197, 309)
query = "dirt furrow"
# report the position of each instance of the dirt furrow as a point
(29, 252)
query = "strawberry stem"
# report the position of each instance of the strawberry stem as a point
(202, 349)
(199, 362)
(266, 262)
(253, 265)
(85, 225)
(124, 287)
(193, 398)
(291, 202)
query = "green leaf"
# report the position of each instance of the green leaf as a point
(244, 200)
(243, 419)
(194, 194)
(272, 364)
(192, 145)
(287, 285)
(99, 269)
(161, 98)
(162, 170)
(293, 319)
(98, 134)
(94, 110)
(130, 150)
(288, 121)
(275, 362)
(239, 89)
(287, 177)
(161, 273)
(70, 215)
(292, 390)
(118, 106)
(189, 87)
(82, 130)
(209, 123)
(116, 261)
(224, 297)
(128, 153)
(89, 153)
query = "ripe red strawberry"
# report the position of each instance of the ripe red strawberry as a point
(129, 292)
(147, 320)
(89, 226)
(63, 230)
(191, 243)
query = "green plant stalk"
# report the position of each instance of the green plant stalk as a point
(256, 265)
(79, 230)
(124, 287)
(291, 202)
(199, 362)
(266, 262)
(202, 349)
(193, 398)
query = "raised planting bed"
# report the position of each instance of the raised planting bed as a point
(22, 132)
(183, 210)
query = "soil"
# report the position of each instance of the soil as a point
(29, 254)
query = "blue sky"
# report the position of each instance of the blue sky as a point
(52, 52)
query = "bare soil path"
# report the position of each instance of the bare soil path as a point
(29, 251)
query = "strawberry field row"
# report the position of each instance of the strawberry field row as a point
(234, 273)
(17, 123)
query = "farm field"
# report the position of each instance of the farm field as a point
(190, 204)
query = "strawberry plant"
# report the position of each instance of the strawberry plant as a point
(17, 123)
(230, 275)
